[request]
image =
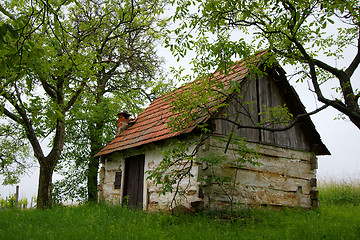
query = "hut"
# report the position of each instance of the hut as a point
(283, 173)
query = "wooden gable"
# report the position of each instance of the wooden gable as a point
(255, 95)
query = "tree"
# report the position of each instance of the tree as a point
(44, 71)
(67, 49)
(299, 33)
(123, 41)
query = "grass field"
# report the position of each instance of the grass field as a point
(337, 218)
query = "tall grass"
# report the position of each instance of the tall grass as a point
(338, 219)
(344, 191)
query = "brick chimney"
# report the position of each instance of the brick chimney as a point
(123, 122)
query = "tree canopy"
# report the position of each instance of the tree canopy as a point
(311, 35)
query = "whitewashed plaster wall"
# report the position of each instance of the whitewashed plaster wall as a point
(109, 166)
(152, 199)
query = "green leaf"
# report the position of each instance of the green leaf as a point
(13, 33)
(3, 66)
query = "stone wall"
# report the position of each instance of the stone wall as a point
(284, 177)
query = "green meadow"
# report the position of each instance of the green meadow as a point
(338, 217)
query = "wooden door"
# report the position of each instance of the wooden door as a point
(134, 181)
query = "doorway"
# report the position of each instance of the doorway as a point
(134, 181)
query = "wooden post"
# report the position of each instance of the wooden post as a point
(17, 196)
(31, 203)
(314, 162)
(314, 197)
(6, 202)
(313, 182)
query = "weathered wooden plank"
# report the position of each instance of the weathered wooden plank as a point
(259, 196)
(286, 138)
(270, 96)
(296, 168)
(239, 108)
(249, 106)
(261, 179)
(266, 100)
(265, 149)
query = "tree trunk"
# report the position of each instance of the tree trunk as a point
(92, 180)
(47, 166)
(44, 198)
(96, 131)
(355, 122)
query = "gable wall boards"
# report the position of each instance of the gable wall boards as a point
(248, 107)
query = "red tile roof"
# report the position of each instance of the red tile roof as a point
(151, 125)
